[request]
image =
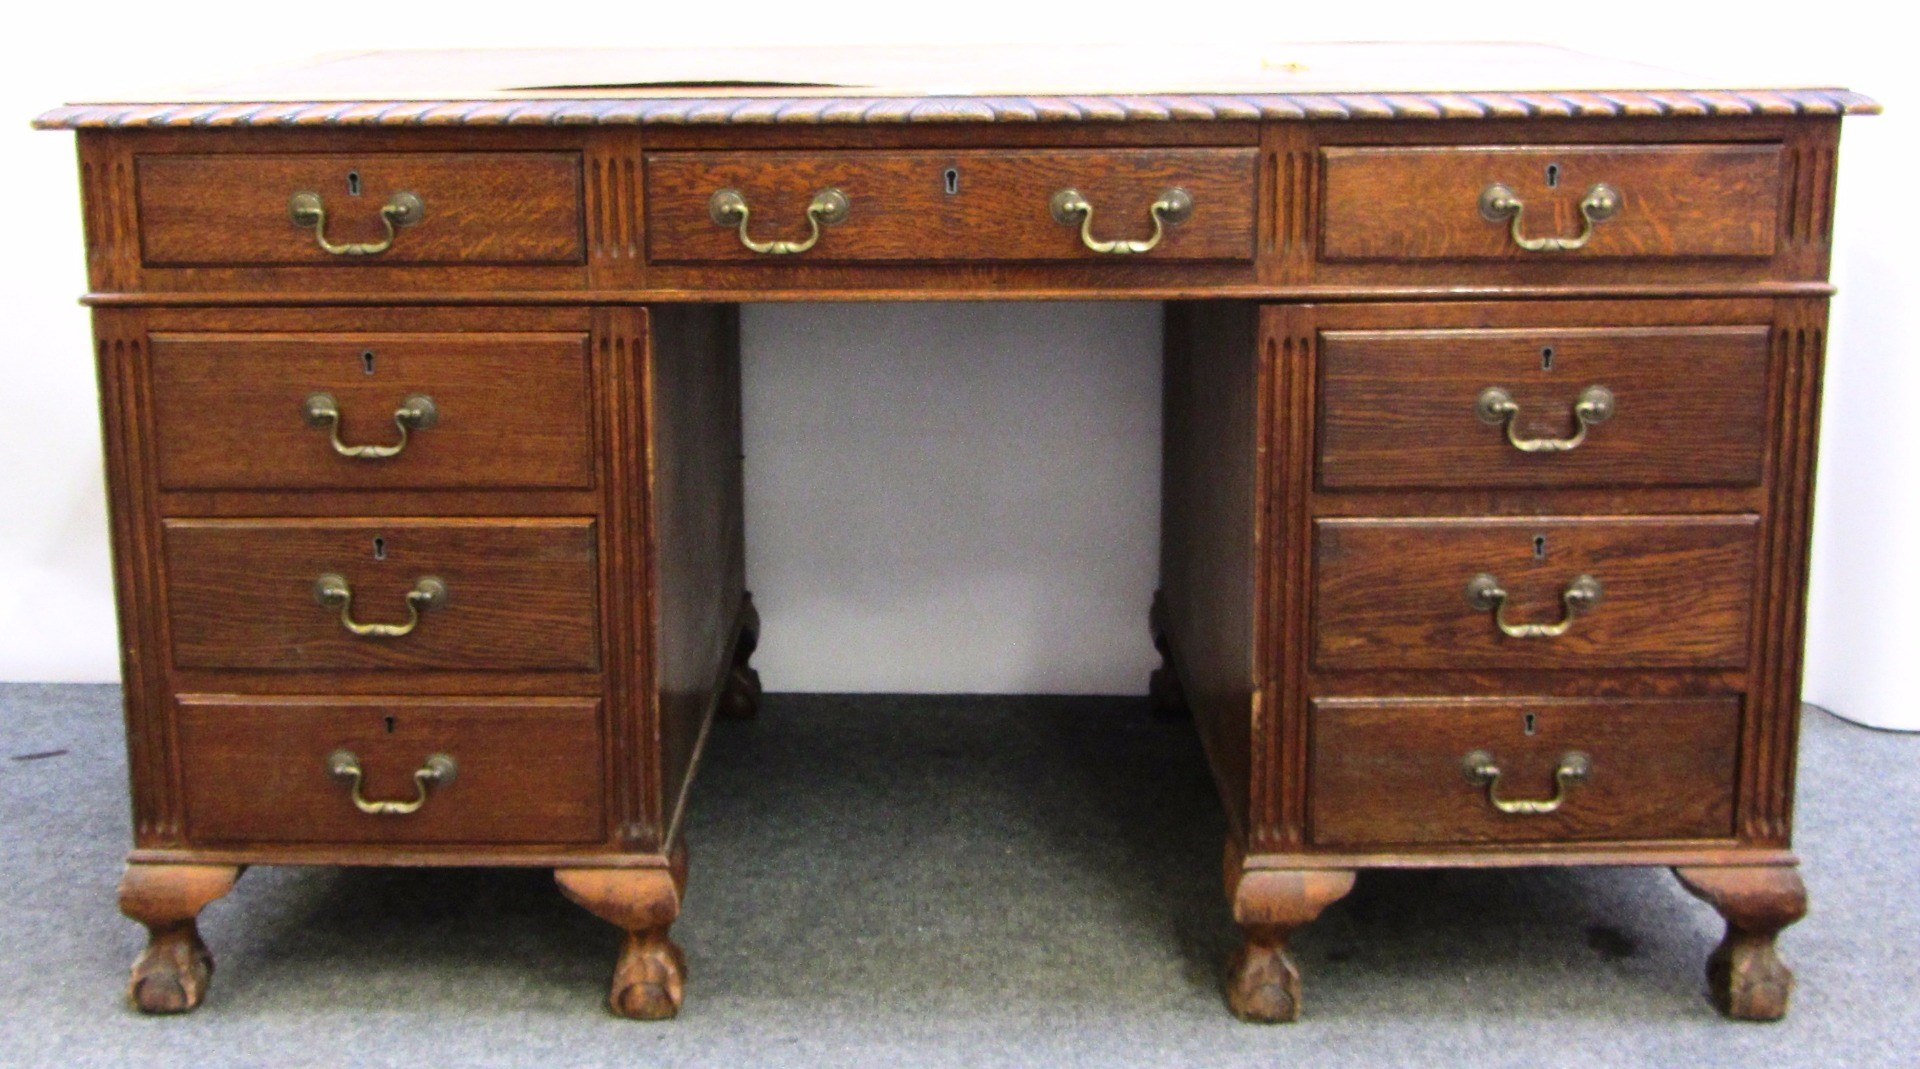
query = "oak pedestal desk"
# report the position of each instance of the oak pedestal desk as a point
(1491, 382)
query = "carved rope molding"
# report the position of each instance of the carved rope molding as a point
(822, 110)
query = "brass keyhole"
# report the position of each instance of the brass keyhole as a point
(1539, 547)
(379, 549)
(952, 180)
(390, 722)
(1553, 175)
(1527, 722)
(366, 362)
(1546, 358)
(353, 183)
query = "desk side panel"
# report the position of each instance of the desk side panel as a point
(693, 400)
(1210, 550)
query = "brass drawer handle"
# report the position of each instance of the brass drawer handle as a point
(331, 590)
(309, 211)
(416, 413)
(1480, 768)
(728, 207)
(1498, 204)
(1496, 406)
(1485, 594)
(439, 769)
(1172, 207)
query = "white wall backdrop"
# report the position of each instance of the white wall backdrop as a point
(918, 617)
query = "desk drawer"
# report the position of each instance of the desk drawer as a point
(1422, 771)
(408, 411)
(1667, 202)
(948, 205)
(471, 208)
(273, 770)
(1571, 592)
(1641, 406)
(510, 594)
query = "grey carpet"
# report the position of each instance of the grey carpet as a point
(887, 881)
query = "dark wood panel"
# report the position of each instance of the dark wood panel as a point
(229, 410)
(1211, 537)
(256, 770)
(699, 554)
(1675, 591)
(1399, 407)
(1391, 772)
(477, 207)
(520, 594)
(899, 207)
(1674, 201)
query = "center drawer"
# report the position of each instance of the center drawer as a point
(460, 594)
(948, 205)
(307, 770)
(1549, 592)
(367, 411)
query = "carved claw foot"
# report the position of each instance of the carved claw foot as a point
(651, 977)
(649, 980)
(1745, 977)
(1164, 692)
(1263, 983)
(741, 701)
(172, 973)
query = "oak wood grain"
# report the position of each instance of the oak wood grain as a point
(1398, 407)
(521, 594)
(1676, 591)
(511, 410)
(256, 770)
(1387, 772)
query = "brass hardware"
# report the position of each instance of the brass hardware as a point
(1496, 406)
(439, 770)
(416, 413)
(1485, 594)
(309, 211)
(1172, 207)
(331, 590)
(1498, 204)
(1480, 768)
(728, 207)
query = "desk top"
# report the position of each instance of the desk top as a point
(949, 84)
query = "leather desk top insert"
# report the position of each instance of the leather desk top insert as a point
(1491, 386)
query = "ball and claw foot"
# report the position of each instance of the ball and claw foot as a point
(172, 973)
(650, 978)
(1745, 977)
(741, 701)
(1263, 983)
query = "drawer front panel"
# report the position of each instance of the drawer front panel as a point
(473, 208)
(1671, 201)
(1398, 772)
(899, 207)
(1671, 592)
(264, 770)
(243, 411)
(515, 594)
(1661, 406)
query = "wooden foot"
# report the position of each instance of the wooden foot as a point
(649, 978)
(172, 973)
(1163, 686)
(1745, 977)
(1263, 983)
(742, 698)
